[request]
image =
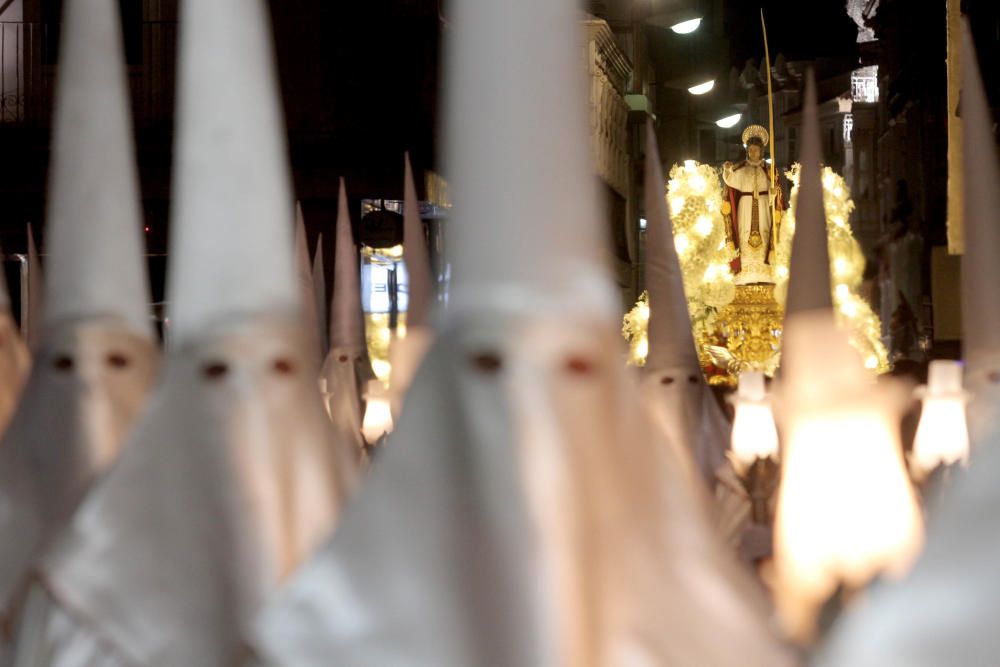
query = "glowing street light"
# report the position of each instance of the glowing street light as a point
(686, 27)
(729, 121)
(702, 88)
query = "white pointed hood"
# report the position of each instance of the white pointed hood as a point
(690, 434)
(981, 196)
(440, 563)
(232, 474)
(319, 294)
(93, 234)
(809, 267)
(981, 261)
(680, 402)
(809, 291)
(347, 329)
(509, 252)
(831, 416)
(407, 353)
(948, 604)
(307, 285)
(95, 354)
(33, 312)
(508, 520)
(346, 370)
(418, 267)
(231, 176)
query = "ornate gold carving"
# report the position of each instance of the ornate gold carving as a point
(749, 330)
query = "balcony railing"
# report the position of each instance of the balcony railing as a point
(27, 73)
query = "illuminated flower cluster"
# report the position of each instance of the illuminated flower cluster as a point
(847, 265)
(694, 194)
(695, 197)
(634, 328)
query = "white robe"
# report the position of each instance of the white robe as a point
(406, 354)
(683, 408)
(753, 267)
(229, 480)
(346, 371)
(88, 384)
(520, 515)
(945, 610)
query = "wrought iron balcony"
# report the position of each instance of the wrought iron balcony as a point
(28, 70)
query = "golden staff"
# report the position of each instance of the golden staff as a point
(770, 124)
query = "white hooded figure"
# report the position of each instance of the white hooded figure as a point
(346, 370)
(319, 295)
(680, 402)
(307, 283)
(15, 360)
(33, 309)
(408, 351)
(231, 476)
(518, 515)
(670, 397)
(96, 354)
(981, 270)
(846, 511)
(681, 408)
(945, 610)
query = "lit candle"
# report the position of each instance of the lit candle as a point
(942, 435)
(754, 434)
(378, 414)
(846, 508)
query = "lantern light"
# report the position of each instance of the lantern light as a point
(942, 436)
(754, 434)
(378, 413)
(847, 511)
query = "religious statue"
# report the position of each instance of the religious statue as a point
(750, 199)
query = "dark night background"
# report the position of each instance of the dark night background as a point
(360, 86)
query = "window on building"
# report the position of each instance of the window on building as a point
(383, 281)
(864, 84)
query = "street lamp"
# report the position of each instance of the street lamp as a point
(702, 88)
(686, 27)
(729, 121)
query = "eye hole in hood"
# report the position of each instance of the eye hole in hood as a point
(63, 363)
(117, 360)
(215, 370)
(488, 363)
